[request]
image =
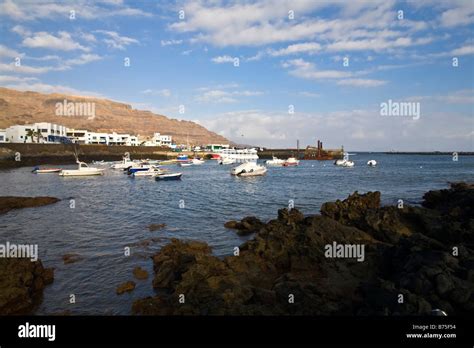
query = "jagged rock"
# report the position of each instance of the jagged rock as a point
(140, 273)
(21, 285)
(125, 287)
(247, 225)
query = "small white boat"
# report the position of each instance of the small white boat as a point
(169, 176)
(197, 161)
(226, 161)
(38, 170)
(291, 162)
(249, 169)
(126, 163)
(275, 162)
(185, 164)
(372, 163)
(82, 170)
(149, 172)
(345, 162)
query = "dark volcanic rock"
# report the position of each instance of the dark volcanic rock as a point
(247, 225)
(21, 285)
(140, 273)
(9, 203)
(156, 227)
(125, 287)
(409, 267)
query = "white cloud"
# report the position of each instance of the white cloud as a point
(222, 96)
(83, 59)
(114, 40)
(223, 59)
(24, 69)
(464, 50)
(171, 42)
(8, 79)
(306, 70)
(361, 82)
(309, 94)
(9, 53)
(26, 10)
(367, 131)
(161, 92)
(62, 42)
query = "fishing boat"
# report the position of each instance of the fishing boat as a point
(197, 161)
(275, 162)
(139, 168)
(182, 158)
(372, 163)
(291, 162)
(248, 169)
(149, 172)
(185, 164)
(82, 170)
(169, 176)
(125, 164)
(38, 170)
(345, 162)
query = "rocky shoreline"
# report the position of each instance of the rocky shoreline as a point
(412, 260)
(8, 203)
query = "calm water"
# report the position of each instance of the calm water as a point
(114, 211)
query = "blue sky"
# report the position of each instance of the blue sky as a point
(290, 55)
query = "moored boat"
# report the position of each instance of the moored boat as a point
(197, 161)
(169, 176)
(291, 162)
(275, 162)
(185, 164)
(38, 170)
(124, 164)
(372, 163)
(249, 169)
(225, 161)
(82, 170)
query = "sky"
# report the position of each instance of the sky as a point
(260, 72)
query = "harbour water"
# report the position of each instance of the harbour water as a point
(113, 212)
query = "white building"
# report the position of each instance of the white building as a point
(43, 133)
(3, 136)
(159, 140)
(77, 136)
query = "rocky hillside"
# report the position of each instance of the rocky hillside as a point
(18, 107)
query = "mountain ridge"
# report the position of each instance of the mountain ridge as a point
(26, 107)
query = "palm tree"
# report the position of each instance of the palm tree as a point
(39, 136)
(30, 133)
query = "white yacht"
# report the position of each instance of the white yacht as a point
(197, 161)
(249, 169)
(82, 170)
(275, 162)
(238, 155)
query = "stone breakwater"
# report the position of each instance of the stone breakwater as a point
(416, 259)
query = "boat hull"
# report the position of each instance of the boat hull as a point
(168, 177)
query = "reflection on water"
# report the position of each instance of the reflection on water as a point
(114, 211)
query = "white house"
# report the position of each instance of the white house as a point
(77, 136)
(3, 136)
(159, 140)
(43, 132)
